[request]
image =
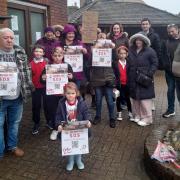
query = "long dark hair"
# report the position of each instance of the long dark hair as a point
(111, 29)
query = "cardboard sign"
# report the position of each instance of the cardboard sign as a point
(89, 26)
(102, 57)
(56, 78)
(8, 79)
(74, 142)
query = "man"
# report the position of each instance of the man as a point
(12, 106)
(168, 49)
(154, 39)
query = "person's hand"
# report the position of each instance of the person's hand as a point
(44, 77)
(84, 50)
(70, 76)
(60, 128)
(88, 124)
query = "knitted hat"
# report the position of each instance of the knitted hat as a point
(69, 28)
(144, 38)
(48, 29)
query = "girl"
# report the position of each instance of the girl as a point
(37, 65)
(72, 108)
(120, 67)
(57, 57)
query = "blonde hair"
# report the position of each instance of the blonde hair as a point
(73, 86)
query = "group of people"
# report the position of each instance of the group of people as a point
(134, 62)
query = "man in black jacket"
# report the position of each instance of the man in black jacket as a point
(168, 49)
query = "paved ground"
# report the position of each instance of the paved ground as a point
(115, 154)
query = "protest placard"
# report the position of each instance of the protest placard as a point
(56, 78)
(74, 142)
(74, 57)
(89, 26)
(8, 79)
(102, 57)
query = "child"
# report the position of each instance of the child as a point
(72, 108)
(37, 65)
(57, 58)
(121, 80)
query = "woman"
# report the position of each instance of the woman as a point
(142, 65)
(69, 38)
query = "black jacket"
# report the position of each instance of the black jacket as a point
(146, 62)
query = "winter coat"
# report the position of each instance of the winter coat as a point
(82, 111)
(168, 48)
(49, 45)
(146, 62)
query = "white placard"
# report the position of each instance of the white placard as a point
(74, 57)
(74, 142)
(56, 78)
(14, 23)
(16, 39)
(38, 35)
(8, 79)
(102, 57)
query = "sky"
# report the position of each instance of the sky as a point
(172, 6)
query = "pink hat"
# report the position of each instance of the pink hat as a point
(69, 28)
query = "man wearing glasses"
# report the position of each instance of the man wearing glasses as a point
(168, 49)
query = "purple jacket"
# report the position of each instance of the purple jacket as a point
(82, 111)
(49, 45)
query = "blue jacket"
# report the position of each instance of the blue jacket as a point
(82, 111)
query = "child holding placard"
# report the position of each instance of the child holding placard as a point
(72, 108)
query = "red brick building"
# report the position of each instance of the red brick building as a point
(30, 17)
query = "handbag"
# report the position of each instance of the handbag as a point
(143, 79)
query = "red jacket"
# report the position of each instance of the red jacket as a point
(37, 69)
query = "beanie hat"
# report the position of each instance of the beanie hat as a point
(48, 29)
(69, 28)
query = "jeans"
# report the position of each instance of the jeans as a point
(170, 80)
(108, 92)
(13, 110)
(178, 89)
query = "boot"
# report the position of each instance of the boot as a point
(79, 162)
(70, 164)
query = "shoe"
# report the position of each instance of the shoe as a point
(112, 123)
(136, 120)
(168, 114)
(35, 129)
(119, 116)
(96, 120)
(53, 135)
(49, 126)
(70, 165)
(142, 123)
(79, 162)
(18, 152)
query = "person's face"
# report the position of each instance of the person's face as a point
(70, 95)
(139, 43)
(38, 53)
(70, 36)
(173, 32)
(122, 54)
(7, 41)
(116, 29)
(145, 25)
(57, 33)
(58, 57)
(49, 35)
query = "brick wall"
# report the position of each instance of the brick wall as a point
(56, 10)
